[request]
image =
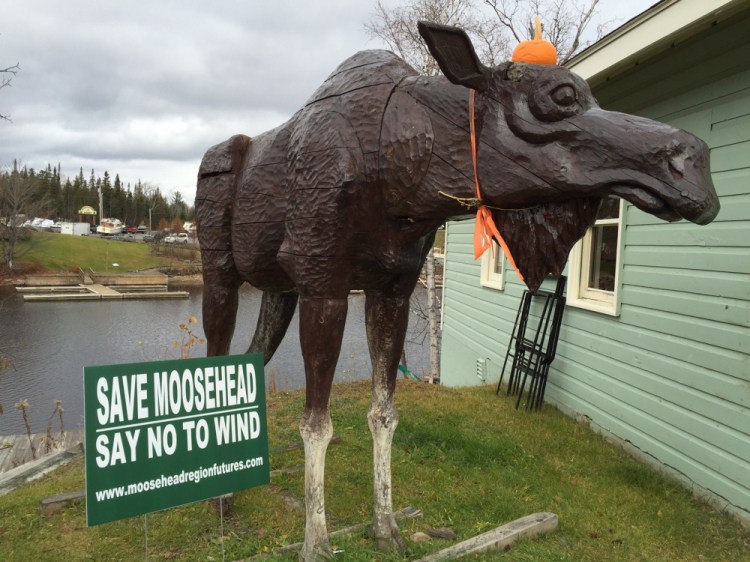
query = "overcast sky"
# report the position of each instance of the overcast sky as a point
(142, 88)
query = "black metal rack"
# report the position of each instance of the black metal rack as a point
(533, 343)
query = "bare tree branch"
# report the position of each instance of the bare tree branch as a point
(6, 77)
(17, 201)
(564, 25)
(564, 22)
(584, 19)
(397, 27)
(506, 13)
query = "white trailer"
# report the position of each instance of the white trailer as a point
(75, 228)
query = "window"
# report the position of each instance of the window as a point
(594, 263)
(493, 268)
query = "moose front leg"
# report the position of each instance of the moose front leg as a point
(321, 329)
(386, 321)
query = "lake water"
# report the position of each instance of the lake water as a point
(49, 343)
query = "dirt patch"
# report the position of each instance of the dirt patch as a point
(191, 275)
(9, 276)
(182, 271)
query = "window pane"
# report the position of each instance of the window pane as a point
(609, 209)
(603, 257)
(492, 268)
(496, 265)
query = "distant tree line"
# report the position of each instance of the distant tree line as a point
(56, 197)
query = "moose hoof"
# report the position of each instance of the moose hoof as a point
(388, 537)
(317, 552)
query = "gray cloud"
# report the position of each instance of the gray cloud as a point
(143, 88)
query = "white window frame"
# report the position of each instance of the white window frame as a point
(493, 268)
(579, 294)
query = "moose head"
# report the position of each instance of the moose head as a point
(546, 150)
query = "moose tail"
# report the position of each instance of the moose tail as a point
(217, 179)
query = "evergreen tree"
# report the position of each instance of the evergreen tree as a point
(80, 181)
(63, 197)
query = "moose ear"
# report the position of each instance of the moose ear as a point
(455, 54)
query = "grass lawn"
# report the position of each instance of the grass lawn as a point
(465, 457)
(59, 252)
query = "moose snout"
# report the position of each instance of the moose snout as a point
(667, 165)
(688, 164)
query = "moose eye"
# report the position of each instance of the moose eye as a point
(557, 94)
(564, 96)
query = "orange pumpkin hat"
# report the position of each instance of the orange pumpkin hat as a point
(537, 50)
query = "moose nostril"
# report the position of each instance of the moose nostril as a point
(676, 165)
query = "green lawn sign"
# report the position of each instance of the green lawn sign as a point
(167, 433)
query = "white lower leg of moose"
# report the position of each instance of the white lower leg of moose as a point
(383, 419)
(386, 321)
(316, 430)
(321, 323)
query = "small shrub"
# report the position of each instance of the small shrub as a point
(22, 406)
(188, 339)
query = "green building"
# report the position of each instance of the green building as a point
(654, 349)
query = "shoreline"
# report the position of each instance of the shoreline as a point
(193, 279)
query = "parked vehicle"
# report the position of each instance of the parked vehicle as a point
(181, 238)
(153, 236)
(75, 228)
(39, 224)
(110, 226)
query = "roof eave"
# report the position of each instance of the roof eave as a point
(653, 31)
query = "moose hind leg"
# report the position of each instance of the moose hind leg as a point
(321, 330)
(276, 311)
(386, 321)
(221, 284)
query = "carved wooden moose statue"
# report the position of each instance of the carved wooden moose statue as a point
(349, 192)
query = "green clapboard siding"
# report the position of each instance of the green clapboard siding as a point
(724, 233)
(671, 374)
(710, 283)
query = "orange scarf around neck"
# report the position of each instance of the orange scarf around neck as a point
(484, 227)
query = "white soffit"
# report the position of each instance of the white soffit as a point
(652, 31)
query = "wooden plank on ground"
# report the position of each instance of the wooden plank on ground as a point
(55, 504)
(500, 539)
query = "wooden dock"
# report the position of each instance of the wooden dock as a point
(98, 292)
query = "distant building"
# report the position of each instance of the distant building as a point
(87, 214)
